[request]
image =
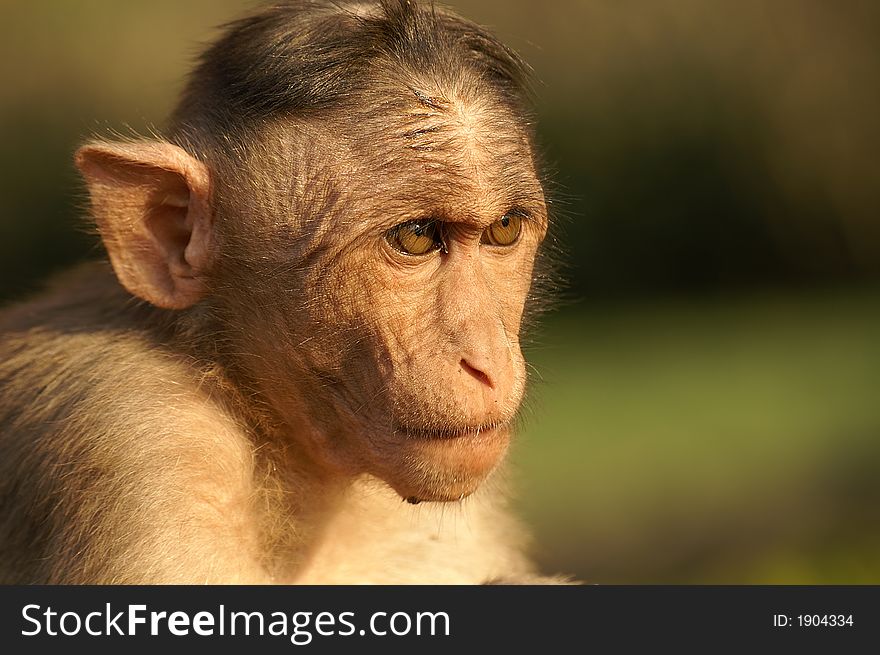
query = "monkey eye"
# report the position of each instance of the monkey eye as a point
(503, 232)
(416, 237)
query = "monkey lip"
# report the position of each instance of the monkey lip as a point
(434, 434)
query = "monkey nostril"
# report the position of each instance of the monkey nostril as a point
(477, 373)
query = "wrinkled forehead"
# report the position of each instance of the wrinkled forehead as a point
(394, 157)
(463, 148)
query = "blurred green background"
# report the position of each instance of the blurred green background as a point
(705, 402)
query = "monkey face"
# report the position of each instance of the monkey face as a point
(406, 270)
(435, 375)
(427, 371)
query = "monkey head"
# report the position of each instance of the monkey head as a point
(348, 207)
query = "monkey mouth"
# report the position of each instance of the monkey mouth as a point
(447, 434)
(441, 464)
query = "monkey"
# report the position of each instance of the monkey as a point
(300, 361)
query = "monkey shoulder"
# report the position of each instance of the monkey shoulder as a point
(85, 347)
(108, 438)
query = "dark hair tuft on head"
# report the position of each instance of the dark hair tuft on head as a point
(297, 56)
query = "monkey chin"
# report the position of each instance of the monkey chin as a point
(439, 467)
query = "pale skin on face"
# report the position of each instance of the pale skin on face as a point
(419, 354)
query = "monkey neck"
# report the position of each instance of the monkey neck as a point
(297, 493)
(295, 500)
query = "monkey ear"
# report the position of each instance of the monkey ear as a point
(151, 201)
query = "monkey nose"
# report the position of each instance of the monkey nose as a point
(478, 373)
